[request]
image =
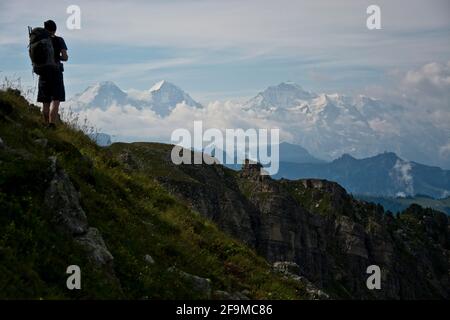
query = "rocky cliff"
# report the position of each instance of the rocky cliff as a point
(332, 237)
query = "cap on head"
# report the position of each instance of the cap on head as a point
(50, 25)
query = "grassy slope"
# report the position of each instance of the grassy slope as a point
(133, 213)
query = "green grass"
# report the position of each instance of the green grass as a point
(134, 214)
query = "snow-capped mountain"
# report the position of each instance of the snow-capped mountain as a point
(161, 97)
(329, 125)
(284, 96)
(164, 96)
(101, 95)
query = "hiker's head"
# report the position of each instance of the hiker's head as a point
(50, 26)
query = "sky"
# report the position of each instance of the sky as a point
(220, 50)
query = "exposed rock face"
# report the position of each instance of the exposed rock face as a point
(286, 267)
(315, 224)
(41, 142)
(292, 270)
(217, 200)
(224, 295)
(149, 259)
(332, 237)
(200, 286)
(63, 201)
(93, 242)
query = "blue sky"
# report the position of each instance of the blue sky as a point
(232, 49)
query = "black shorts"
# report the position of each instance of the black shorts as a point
(51, 87)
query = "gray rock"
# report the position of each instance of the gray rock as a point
(201, 286)
(96, 248)
(222, 295)
(2, 144)
(241, 295)
(291, 270)
(148, 258)
(62, 199)
(225, 295)
(286, 267)
(41, 142)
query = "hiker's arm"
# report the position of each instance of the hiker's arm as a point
(64, 56)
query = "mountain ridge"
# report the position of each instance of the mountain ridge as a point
(327, 125)
(384, 174)
(162, 97)
(311, 222)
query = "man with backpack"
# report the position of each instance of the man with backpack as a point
(46, 52)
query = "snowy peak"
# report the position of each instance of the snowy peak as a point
(164, 97)
(102, 95)
(161, 98)
(284, 95)
(161, 85)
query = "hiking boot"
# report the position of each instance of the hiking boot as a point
(51, 126)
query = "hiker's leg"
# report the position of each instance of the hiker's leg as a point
(46, 111)
(44, 96)
(58, 95)
(54, 111)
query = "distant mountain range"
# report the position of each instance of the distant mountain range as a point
(383, 175)
(399, 204)
(161, 97)
(330, 125)
(327, 125)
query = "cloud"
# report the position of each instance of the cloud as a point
(146, 125)
(423, 90)
(286, 27)
(430, 82)
(233, 45)
(445, 151)
(402, 173)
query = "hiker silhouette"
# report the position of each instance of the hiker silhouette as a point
(47, 51)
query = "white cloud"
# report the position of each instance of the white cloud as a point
(145, 125)
(431, 79)
(287, 27)
(445, 151)
(424, 91)
(402, 173)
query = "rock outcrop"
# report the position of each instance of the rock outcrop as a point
(62, 200)
(201, 287)
(315, 224)
(292, 271)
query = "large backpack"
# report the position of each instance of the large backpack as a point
(41, 51)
